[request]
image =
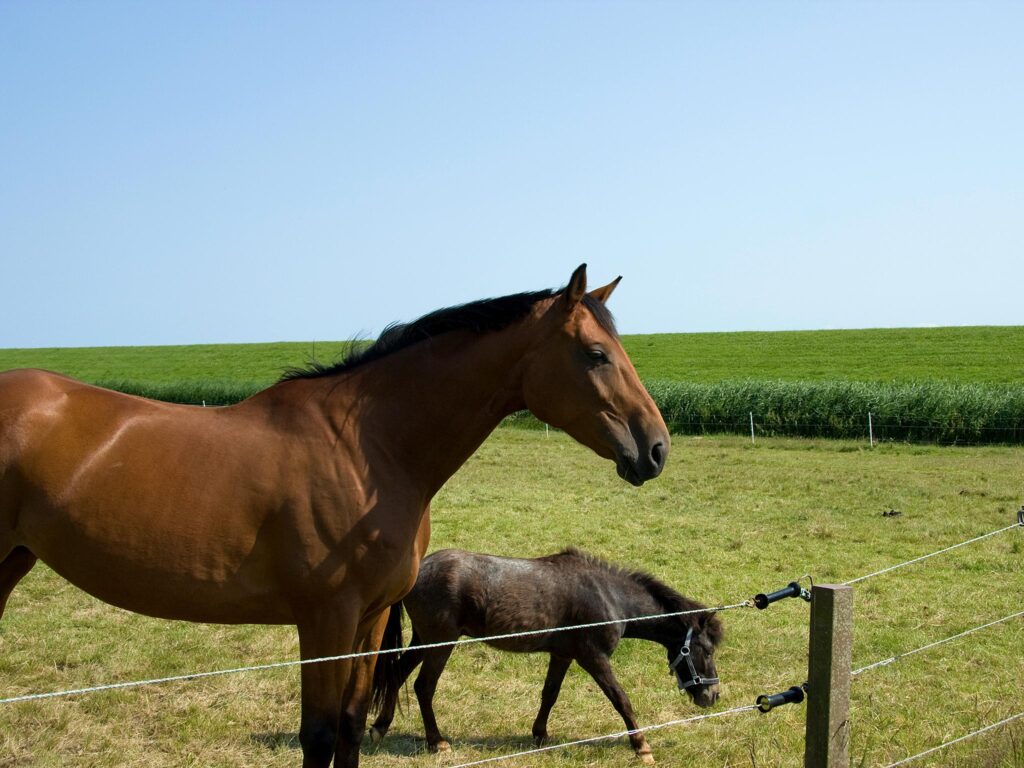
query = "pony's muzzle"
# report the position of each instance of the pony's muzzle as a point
(706, 697)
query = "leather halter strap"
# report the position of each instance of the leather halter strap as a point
(685, 655)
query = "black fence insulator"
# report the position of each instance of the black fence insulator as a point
(768, 702)
(1020, 515)
(793, 589)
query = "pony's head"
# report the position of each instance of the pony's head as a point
(692, 657)
(580, 379)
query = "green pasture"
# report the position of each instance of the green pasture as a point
(966, 355)
(725, 521)
(948, 385)
(993, 355)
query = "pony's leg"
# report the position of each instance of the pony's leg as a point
(407, 662)
(327, 633)
(434, 661)
(598, 666)
(13, 569)
(352, 724)
(557, 668)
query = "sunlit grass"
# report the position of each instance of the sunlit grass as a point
(725, 521)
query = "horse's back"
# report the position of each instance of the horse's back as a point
(128, 498)
(44, 415)
(27, 396)
(460, 592)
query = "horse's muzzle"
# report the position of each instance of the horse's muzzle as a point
(638, 470)
(706, 696)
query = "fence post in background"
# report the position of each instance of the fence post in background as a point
(871, 430)
(828, 677)
(751, 427)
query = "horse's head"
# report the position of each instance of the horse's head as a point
(692, 657)
(580, 379)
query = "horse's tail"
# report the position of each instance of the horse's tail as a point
(387, 679)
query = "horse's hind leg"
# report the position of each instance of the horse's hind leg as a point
(12, 570)
(557, 668)
(434, 661)
(600, 669)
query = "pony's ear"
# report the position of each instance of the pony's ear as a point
(577, 287)
(602, 293)
(704, 619)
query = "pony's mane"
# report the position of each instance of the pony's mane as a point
(664, 595)
(478, 317)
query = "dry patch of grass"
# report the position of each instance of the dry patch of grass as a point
(725, 521)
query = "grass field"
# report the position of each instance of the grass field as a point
(725, 521)
(949, 385)
(968, 355)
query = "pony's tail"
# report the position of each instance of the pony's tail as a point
(386, 679)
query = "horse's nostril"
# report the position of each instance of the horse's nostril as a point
(658, 455)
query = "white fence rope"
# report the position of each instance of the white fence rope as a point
(932, 554)
(899, 656)
(619, 735)
(361, 654)
(906, 760)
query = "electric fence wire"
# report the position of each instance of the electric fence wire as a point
(357, 655)
(618, 735)
(993, 726)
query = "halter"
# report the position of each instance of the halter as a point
(684, 655)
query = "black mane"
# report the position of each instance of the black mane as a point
(477, 316)
(670, 600)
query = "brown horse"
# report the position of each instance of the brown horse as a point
(308, 503)
(464, 593)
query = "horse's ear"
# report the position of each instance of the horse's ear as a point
(704, 619)
(577, 288)
(602, 293)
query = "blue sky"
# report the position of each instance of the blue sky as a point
(230, 172)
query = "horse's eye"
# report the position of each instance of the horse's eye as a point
(597, 355)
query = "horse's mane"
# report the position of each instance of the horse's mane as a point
(670, 600)
(477, 316)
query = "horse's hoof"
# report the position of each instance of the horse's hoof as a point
(647, 757)
(441, 746)
(376, 737)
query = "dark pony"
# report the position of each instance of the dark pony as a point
(462, 593)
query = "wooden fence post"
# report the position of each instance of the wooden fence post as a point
(828, 677)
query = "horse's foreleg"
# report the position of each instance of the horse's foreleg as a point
(600, 668)
(323, 684)
(13, 569)
(352, 723)
(557, 668)
(434, 661)
(408, 661)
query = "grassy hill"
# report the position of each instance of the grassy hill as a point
(967, 355)
(937, 384)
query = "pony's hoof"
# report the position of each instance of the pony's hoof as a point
(441, 746)
(376, 737)
(646, 757)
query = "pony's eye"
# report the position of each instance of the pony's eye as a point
(597, 355)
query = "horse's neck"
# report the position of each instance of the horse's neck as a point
(658, 630)
(424, 410)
